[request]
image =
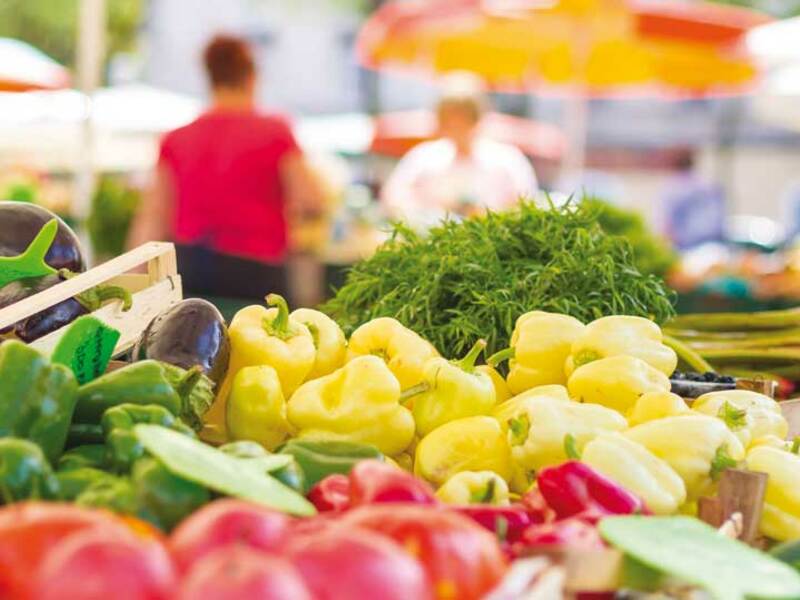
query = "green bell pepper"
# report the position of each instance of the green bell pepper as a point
(24, 472)
(123, 448)
(37, 398)
(165, 498)
(89, 455)
(187, 394)
(73, 482)
(291, 475)
(117, 494)
(318, 459)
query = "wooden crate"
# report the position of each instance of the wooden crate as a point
(154, 290)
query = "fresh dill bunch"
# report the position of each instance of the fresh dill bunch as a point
(471, 279)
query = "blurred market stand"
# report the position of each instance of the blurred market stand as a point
(24, 68)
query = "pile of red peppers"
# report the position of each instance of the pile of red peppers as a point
(562, 509)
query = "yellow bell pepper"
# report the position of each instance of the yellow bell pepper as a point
(256, 408)
(261, 336)
(359, 402)
(616, 382)
(773, 441)
(537, 425)
(698, 447)
(451, 390)
(329, 341)
(657, 405)
(540, 344)
(634, 467)
(469, 444)
(557, 392)
(501, 391)
(749, 415)
(404, 461)
(474, 487)
(621, 335)
(404, 351)
(781, 517)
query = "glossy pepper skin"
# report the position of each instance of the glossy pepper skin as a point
(657, 405)
(256, 408)
(540, 344)
(536, 425)
(261, 336)
(452, 390)
(164, 498)
(576, 489)
(698, 447)
(25, 472)
(359, 403)
(572, 533)
(123, 447)
(508, 523)
(37, 398)
(622, 336)
(329, 341)
(474, 487)
(780, 519)
(373, 481)
(403, 350)
(501, 389)
(73, 482)
(320, 458)
(146, 382)
(749, 415)
(616, 382)
(634, 467)
(332, 494)
(469, 444)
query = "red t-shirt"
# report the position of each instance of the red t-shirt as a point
(228, 192)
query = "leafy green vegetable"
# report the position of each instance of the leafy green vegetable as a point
(203, 464)
(652, 255)
(472, 279)
(698, 554)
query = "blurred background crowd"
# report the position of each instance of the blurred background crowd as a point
(274, 140)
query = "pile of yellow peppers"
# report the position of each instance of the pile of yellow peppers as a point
(598, 392)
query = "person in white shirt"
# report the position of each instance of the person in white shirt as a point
(462, 173)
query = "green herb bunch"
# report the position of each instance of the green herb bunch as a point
(471, 279)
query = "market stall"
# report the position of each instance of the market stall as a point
(577, 442)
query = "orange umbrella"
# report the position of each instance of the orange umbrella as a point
(598, 46)
(23, 68)
(396, 133)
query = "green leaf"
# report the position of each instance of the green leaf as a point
(222, 472)
(696, 553)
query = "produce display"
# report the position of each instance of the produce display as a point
(277, 457)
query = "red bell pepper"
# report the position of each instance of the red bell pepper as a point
(569, 532)
(574, 488)
(506, 522)
(372, 481)
(463, 561)
(331, 494)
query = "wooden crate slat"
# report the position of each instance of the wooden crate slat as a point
(163, 253)
(146, 305)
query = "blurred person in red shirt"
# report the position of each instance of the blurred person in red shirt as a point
(228, 184)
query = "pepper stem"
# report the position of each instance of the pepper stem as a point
(501, 529)
(186, 384)
(571, 447)
(584, 357)
(96, 297)
(279, 326)
(498, 357)
(722, 461)
(486, 495)
(518, 429)
(735, 418)
(415, 390)
(796, 445)
(468, 362)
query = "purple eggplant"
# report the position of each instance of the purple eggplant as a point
(20, 222)
(58, 315)
(191, 333)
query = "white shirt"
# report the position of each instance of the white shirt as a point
(433, 181)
